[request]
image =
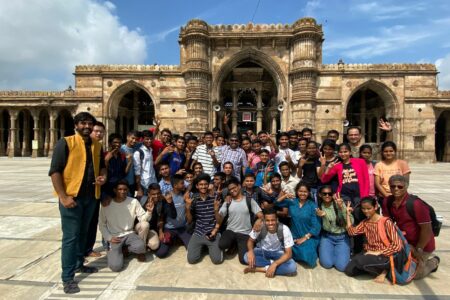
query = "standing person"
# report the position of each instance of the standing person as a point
(191, 146)
(293, 139)
(305, 226)
(78, 188)
(389, 166)
(200, 213)
(328, 156)
(375, 258)
(97, 133)
(285, 154)
(265, 139)
(365, 152)
(174, 155)
(288, 182)
(174, 227)
(273, 254)
(333, 135)
(117, 226)
(307, 133)
(239, 222)
(232, 153)
(208, 155)
(334, 248)
(356, 139)
(246, 145)
(353, 179)
(308, 168)
(129, 148)
(417, 226)
(143, 165)
(165, 183)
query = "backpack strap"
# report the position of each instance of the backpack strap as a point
(249, 206)
(410, 205)
(280, 234)
(263, 233)
(382, 232)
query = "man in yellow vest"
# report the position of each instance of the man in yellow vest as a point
(77, 171)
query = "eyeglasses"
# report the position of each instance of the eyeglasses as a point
(327, 194)
(233, 140)
(400, 187)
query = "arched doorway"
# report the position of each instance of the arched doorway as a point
(442, 137)
(249, 95)
(64, 124)
(5, 122)
(136, 111)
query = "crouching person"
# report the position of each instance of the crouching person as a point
(273, 254)
(117, 226)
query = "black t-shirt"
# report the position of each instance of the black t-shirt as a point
(59, 161)
(310, 176)
(350, 186)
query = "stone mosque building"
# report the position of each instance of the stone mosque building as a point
(265, 76)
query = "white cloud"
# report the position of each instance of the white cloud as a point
(443, 66)
(42, 41)
(385, 10)
(388, 40)
(311, 6)
(161, 36)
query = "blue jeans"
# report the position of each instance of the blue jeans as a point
(334, 251)
(264, 258)
(75, 224)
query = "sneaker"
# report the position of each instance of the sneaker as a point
(141, 257)
(71, 287)
(86, 269)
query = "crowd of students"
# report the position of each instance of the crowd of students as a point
(275, 203)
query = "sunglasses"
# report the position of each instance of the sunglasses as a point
(327, 194)
(400, 187)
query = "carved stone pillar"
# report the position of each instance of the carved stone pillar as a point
(53, 132)
(135, 109)
(305, 49)
(259, 108)
(13, 148)
(273, 118)
(234, 113)
(2, 134)
(194, 42)
(362, 116)
(36, 139)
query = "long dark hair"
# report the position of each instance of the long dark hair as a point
(340, 221)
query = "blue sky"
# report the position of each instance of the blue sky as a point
(44, 39)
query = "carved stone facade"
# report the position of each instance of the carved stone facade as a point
(265, 76)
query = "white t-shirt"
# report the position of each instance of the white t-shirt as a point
(271, 241)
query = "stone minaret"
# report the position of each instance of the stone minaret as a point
(194, 42)
(306, 57)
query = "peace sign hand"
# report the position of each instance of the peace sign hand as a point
(322, 159)
(338, 199)
(349, 208)
(320, 213)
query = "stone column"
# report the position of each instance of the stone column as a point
(46, 137)
(2, 132)
(273, 117)
(36, 139)
(135, 109)
(234, 112)
(13, 148)
(362, 116)
(53, 130)
(259, 108)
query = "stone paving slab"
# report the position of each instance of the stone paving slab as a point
(30, 242)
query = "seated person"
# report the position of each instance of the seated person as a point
(273, 254)
(200, 208)
(375, 258)
(174, 227)
(117, 225)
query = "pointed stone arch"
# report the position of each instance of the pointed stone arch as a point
(116, 96)
(255, 56)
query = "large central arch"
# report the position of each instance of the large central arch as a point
(246, 56)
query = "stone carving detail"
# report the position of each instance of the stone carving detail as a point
(50, 94)
(348, 84)
(109, 83)
(112, 68)
(395, 83)
(379, 67)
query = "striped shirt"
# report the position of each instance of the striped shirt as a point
(374, 242)
(236, 156)
(204, 215)
(202, 156)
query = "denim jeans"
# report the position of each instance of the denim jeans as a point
(334, 251)
(75, 224)
(264, 258)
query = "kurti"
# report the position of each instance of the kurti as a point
(303, 221)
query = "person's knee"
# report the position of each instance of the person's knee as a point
(162, 251)
(242, 259)
(193, 258)
(325, 263)
(291, 266)
(138, 247)
(246, 258)
(153, 243)
(341, 266)
(217, 259)
(116, 267)
(224, 243)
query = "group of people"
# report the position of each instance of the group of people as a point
(275, 203)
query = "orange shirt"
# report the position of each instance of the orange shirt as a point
(385, 171)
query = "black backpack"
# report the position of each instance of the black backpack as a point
(262, 235)
(435, 223)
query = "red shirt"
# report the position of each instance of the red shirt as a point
(157, 147)
(407, 224)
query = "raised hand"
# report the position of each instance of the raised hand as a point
(385, 125)
(149, 206)
(187, 200)
(302, 161)
(349, 208)
(322, 159)
(338, 199)
(226, 118)
(320, 213)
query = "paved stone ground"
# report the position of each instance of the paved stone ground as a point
(30, 255)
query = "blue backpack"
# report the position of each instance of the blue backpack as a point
(403, 265)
